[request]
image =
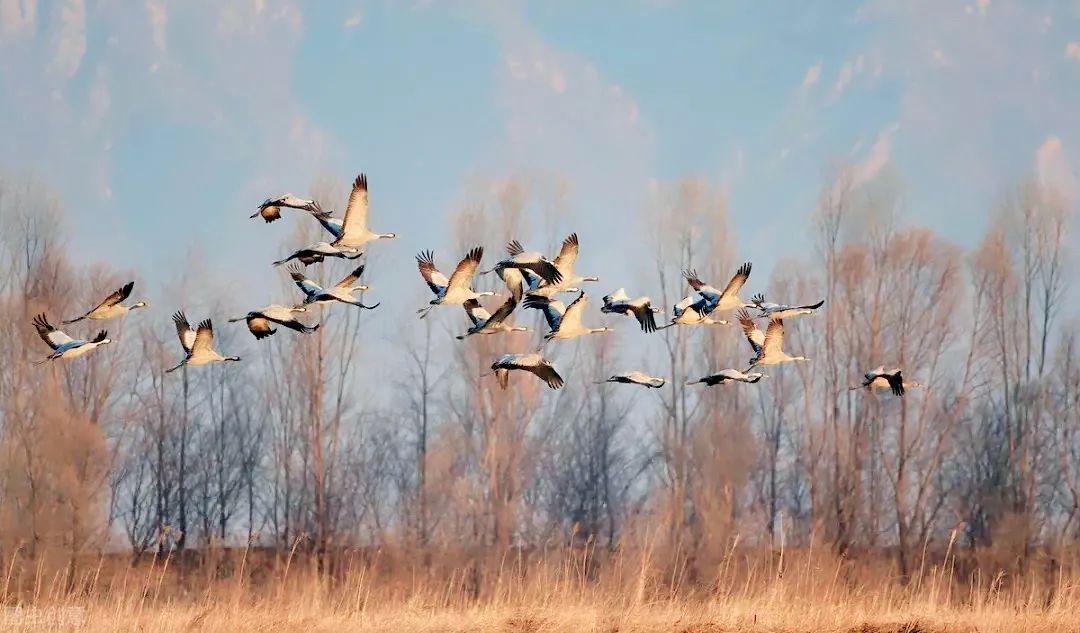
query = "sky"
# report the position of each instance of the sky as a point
(162, 124)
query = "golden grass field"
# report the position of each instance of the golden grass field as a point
(568, 591)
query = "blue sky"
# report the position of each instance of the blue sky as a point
(161, 124)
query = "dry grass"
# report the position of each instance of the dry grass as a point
(575, 590)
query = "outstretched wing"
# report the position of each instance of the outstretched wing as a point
(117, 296)
(307, 286)
(204, 337)
(514, 248)
(645, 316)
(774, 337)
(692, 278)
(547, 373)
(260, 327)
(572, 317)
(435, 280)
(351, 278)
(462, 276)
(184, 331)
(355, 221)
(737, 282)
(53, 337)
(503, 312)
(754, 336)
(477, 313)
(568, 254)
(896, 383)
(553, 310)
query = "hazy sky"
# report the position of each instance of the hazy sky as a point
(161, 124)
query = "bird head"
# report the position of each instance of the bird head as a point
(140, 304)
(298, 309)
(361, 288)
(106, 341)
(232, 358)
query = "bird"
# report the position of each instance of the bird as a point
(458, 288)
(318, 252)
(198, 344)
(533, 363)
(260, 322)
(636, 378)
(728, 298)
(341, 292)
(64, 346)
(641, 308)
(726, 376)
(781, 311)
(532, 261)
(565, 323)
(270, 209)
(354, 226)
(693, 309)
(110, 308)
(484, 323)
(881, 378)
(770, 350)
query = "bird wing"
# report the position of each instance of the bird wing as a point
(117, 296)
(356, 211)
(184, 331)
(572, 317)
(515, 282)
(568, 254)
(692, 278)
(53, 337)
(553, 310)
(896, 383)
(754, 336)
(774, 336)
(477, 313)
(514, 248)
(307, 286)
(502, 312)
(736, 283)
(544, 270)
(204, 337)
(349, 279)
(462, 276)
(547, 373)
(435, 280)
(259, 326)
(645, 316)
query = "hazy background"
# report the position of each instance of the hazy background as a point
(162, 124)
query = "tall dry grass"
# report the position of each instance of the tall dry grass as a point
(565, 589)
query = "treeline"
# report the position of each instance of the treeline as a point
(283, 451)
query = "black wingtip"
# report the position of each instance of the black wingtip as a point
(745, 268)
(360, 182)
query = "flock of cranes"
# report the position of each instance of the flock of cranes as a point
(533, 280)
